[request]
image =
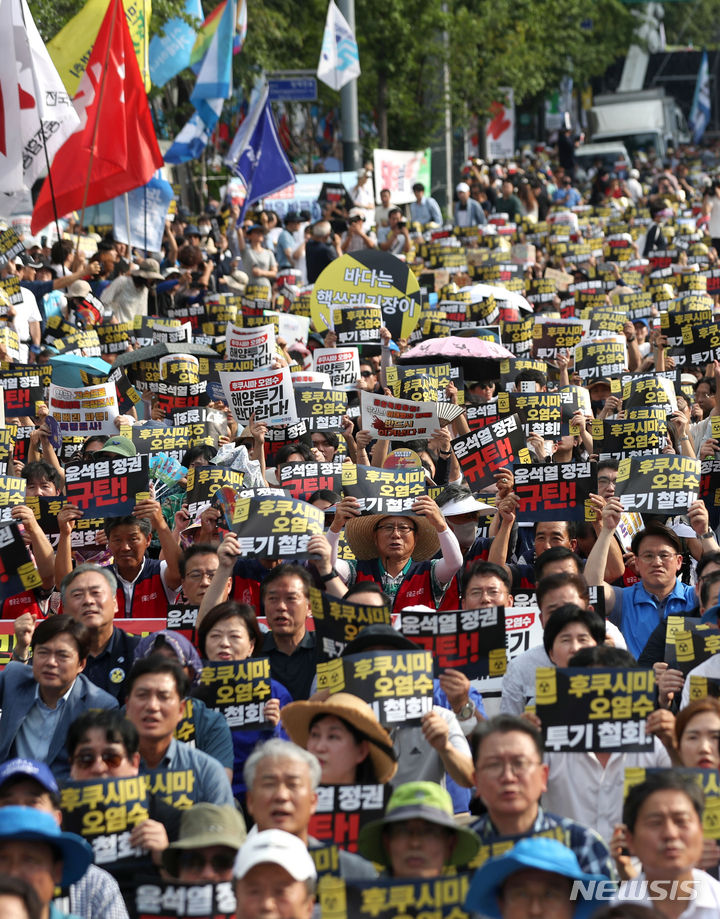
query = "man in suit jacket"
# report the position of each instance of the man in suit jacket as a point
(39, 702)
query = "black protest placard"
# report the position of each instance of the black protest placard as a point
(108, 488)
(12, 493)
(707, 779)
(302, 479)
(390, 898)
(383, 491)
(273, 527)
(702, 686)
(104, 812)
(357, 325)
(156, 899)
(665, 485)
(23, 388)
(605, 320)
(127, 396)
(551, 491)
(481, 453)
(510, 369)
(79, 341)
(343, 810)
(173, 441)
(710, 488)
(239, 690)
(114, 339)
(694, 644)
(701, 343)
(540, 412)
(204, 481)
(597, 709)
(84, 532)
(472, 641)
(554, 335)
(10, 245)
(321, 409)
(480, 414)
(658, 392)
(13, 293)
(596, 359)
(338, 622)
(176, 787)
(397, 685)
(639, 437)
(18, 572)
(182, 617)
(419, 387)
(7, 447)
(517, 335)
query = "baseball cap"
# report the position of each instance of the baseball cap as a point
(79, 289)
(463, 186)
(32, 769)
(275, 847)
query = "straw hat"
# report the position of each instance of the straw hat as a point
(360, 534)
(297, 717)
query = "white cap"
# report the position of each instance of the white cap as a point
(275, 847)
(466, 505)
(463, 186)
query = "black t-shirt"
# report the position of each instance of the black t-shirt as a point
(318, 255)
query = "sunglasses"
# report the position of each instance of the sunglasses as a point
(367, 373)
(111, 758)
(197, 861)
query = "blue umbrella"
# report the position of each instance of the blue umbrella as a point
(66, 368)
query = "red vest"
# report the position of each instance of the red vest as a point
(149, 600)
(415, 587)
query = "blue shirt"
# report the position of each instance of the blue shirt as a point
(636, 612)
(211, 784)
(33, 739)
(426, 211)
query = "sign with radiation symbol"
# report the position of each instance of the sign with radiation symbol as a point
(350, 291)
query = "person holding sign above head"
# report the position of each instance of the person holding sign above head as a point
(659, 593)
(345, 735)
(418, 836)
(398, 551)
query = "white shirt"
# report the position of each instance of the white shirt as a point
(25, 313)
(709, 668)
(706, 905)
(581, 789)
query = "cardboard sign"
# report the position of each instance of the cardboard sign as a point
(302, 479)
(553, 491)
(342, 365)
(472, 641)
(204, 481)
(238, 689)
(417, 387)
(338, 622)
(599, 709)
(540, 412)
(105, 811)
(665, 485)
(517, 335)
(618, 439)
(321, 409)
(396, 684)
(174, 900)
(398, 419)
(707, 779)
(482, 452)
(46, 511)
(256, 345)
(383, 491)
(273, 527)
(108, 488)
(17, 572)
(268, 394)
(342, 811)
(91, 410)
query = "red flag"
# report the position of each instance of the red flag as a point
(114, 114)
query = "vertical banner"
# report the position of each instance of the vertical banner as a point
(500, 130)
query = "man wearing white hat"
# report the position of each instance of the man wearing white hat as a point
(275, 877)
(467, 211)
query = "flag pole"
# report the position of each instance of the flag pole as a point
(42, 134)
(127, 224)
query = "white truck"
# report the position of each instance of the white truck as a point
(643, 120)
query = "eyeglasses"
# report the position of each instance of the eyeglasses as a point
(200, 575)
(111, 758)
(197, 861)
(519, 766)
(401, 528)
(492, 593)
(664, 557)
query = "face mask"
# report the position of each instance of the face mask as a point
(597, 405)
(465, 532)
(204, 229)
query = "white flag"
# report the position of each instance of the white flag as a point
(42, 96)
(11, 174)
(339, 60)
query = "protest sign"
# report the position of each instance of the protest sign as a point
(108, 488)
(389, 898)
(10, 286)
(602, 358)
(693, 644)
(238, 689)
(310, 379)
(482, 452)
(10, 245)
(157, 899)
(480, 414)
(204, 481)
(397, 419)
(618, 439)
(10, 342)
(17, 572)
(8, 433)
(396, 684)
(91, 410)
(79, 341)
(127, 396)
(550, 336)
(509, 370)
(338, 622)
(417, 387)
(176, 787)
(702, 686)
(665, 485)
(707, 779)
(602, 709)
(383, 491)
(104, 811)
(46, 511)
(472, 641)
(553, 491)
(356, 325)
(23, 389)
(321, 409)
(342, 811)
(656, 391)
(12, 493)
(342, 365)
(114, 339)
(274, 527)
(256, 345)
(710, 488)
(517, 335)
(267, 394)
(302, 479)
(182, 617)
(701, 343)
(540, 412)
(174, 441)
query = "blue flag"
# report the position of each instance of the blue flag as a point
(214, 81)
(257, 156)
(700, 111)
(194, 137)
(171, 53)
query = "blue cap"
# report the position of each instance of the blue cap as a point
(533, 852)
(40, 826)
(32, 769)
(642, 322)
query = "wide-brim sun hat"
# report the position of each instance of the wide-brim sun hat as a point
(418, 801)
(360, 535)
(534, 852)
(297, 717)
(28, 823)
(149, 269)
